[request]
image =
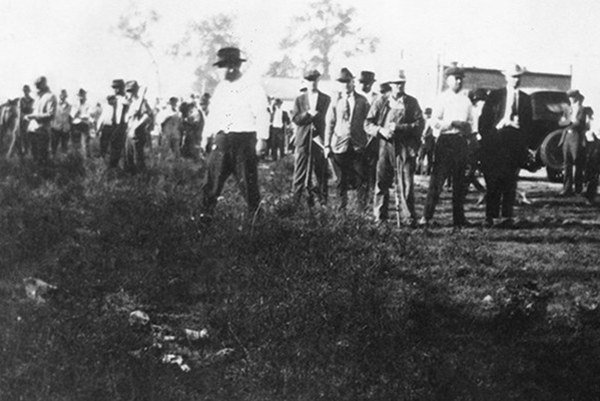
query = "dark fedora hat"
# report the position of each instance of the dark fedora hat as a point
(367, 77)
(345, 75)
(118, 83)
(311, 75)
(81, 92)
(228, 55)
(456, 71)
(574, 93)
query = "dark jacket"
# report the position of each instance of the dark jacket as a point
(494, 108)
(339, 133)
(305, 122)
(408, 129)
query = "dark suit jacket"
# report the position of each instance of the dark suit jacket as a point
(338, 131)
(408, 129)
(305, 122)
(503, 153)
(494, 108)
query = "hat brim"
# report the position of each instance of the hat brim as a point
(223, 63)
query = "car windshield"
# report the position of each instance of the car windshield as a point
(549, 105)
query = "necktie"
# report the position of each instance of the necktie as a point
(346, 115)
(114, 116)
(514, 109)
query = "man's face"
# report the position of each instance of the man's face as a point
(313, 86)
(347, 87)
(454, 83)
(26, 92)
(366, 86)
(513, 81)
(82, 98)
(574, 100)
(230, 72)
(397, 89)
(63, 96)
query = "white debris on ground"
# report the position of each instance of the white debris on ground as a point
(36, 289)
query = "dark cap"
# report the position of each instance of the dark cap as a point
(26, 88)
(345, 75)
(173, 100)
(312, 75)
(118, 83)
(81, 92)
(228, 55)
(367, 77)
(456, 71)
(131, 86)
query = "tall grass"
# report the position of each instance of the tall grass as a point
(298, 304)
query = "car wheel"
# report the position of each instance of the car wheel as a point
(551, 153)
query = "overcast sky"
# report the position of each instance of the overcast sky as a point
(75, 44)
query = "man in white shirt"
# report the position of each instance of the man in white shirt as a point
(238, 119)
(139, 119)
(452, 121)
(82, 119)
(61, 125)
(38, 128)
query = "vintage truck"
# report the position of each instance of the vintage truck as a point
(549, 103)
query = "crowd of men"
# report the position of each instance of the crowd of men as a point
(372, 141)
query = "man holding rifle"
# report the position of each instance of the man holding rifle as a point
(139, 116)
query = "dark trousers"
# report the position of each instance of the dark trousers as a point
(59, 138)
(592, 168)
(105, 138)
(574, 157)
(135, 159)
(451, 156)
(426, 151)
(40, 143)
(117, 145)
(80, 138)
(351, 166)
(502, 154)
(309, 158)
(276, 143)
(396, 159)
(232, 153)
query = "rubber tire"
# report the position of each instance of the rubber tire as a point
(550, 153)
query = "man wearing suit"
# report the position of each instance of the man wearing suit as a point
(573, 143)
(346, 141)
(308, 114)
(397, 120)
(504, 127)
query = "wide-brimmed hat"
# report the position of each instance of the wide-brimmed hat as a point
(312, 75)
(228, 55)
(574, 93)
(118, 83)
(514, 70)
(367, 77)
(345, 75)
(455, 71)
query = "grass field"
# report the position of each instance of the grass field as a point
(297, 305)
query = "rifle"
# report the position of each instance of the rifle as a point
(136, 121)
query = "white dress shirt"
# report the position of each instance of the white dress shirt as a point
(451, 107)
(238, 106)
